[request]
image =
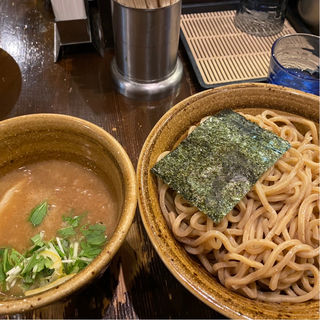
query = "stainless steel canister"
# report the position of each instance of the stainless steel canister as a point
(146, 46)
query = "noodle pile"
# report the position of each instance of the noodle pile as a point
(267, 247)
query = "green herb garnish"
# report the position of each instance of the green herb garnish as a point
(38, 213)
(72, 221)
(71, 251)
(94, 240)
(66, 232)
(95, 234)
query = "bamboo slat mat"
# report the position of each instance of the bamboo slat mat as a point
(221, 53)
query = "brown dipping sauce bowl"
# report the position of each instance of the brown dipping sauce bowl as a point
(37, 137)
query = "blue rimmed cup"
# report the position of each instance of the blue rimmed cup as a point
(294, 62)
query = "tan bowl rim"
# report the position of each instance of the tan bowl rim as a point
(95, 267)
(186, 280)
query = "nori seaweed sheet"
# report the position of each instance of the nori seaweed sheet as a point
(219, 162)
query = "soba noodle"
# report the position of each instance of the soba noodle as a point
(267, 247)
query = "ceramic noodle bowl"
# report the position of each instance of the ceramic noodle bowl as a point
(251, 99)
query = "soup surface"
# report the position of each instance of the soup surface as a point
(55, 217)
(64, 185)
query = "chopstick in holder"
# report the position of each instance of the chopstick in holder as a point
(144, 4)
(123, 2)
(130, 3)
(127, 3)
(140, 4)
(164, 3)
(152, 4)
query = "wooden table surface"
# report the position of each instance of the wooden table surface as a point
(137, 284)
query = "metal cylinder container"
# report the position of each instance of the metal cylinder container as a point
(146, 46)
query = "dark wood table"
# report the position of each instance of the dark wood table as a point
(137, 284)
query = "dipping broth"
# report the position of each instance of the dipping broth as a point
(69, 190)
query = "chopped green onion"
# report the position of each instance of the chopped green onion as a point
(38, 213)
(37, 239)
(2, 274)
(5, 263)
(14, 257)
(75, 250)
(76, 247)
(30, 264)
(59, 248)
